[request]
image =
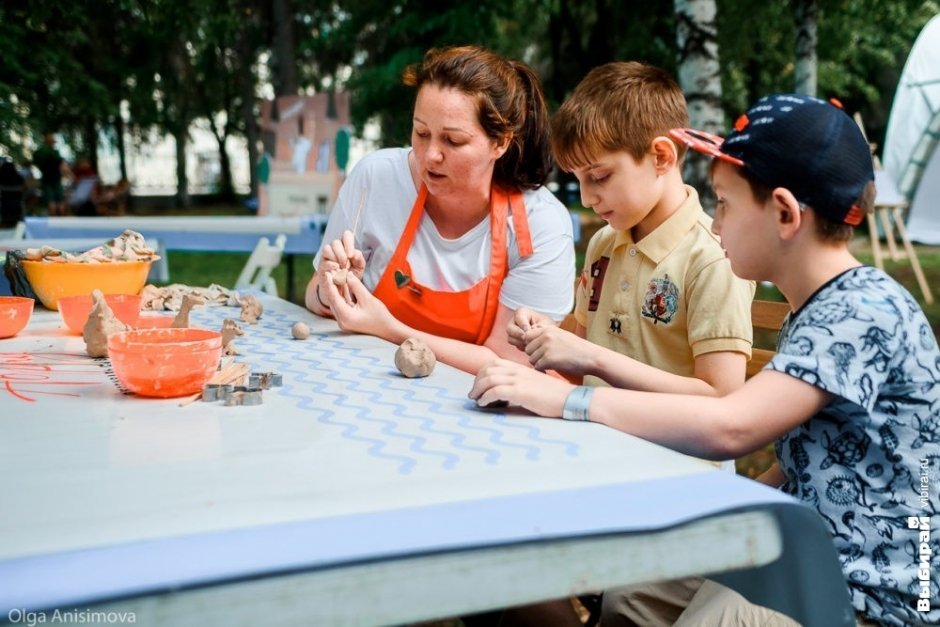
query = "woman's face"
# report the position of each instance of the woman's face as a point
(453, 153)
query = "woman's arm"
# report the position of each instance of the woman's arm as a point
(367, 314)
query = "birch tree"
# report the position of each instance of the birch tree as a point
(700, 79)
(804, 74)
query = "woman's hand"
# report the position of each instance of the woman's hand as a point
(504, 380)
(355, 308)
(523, 320)
(342, 253)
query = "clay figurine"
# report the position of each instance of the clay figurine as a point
(101, 323)
(230, 330)
(414, 358)
(181, 321)
(251, 308)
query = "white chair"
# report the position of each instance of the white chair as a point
(263, 260)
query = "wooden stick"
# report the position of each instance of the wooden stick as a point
(362, 201)
(232, 373)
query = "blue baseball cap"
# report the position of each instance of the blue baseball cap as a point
(806, 145)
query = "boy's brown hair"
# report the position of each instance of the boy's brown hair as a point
(829, 230)
(620, 106)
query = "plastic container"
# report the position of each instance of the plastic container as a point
(74, 310)
(15, 312)
(165, 362)
(52, 280)
(154, 321)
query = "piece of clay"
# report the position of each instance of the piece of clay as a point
(339, 277)
(101, 323)
(300, 331)
(181, 321)
(230, 330)
(251, 308)
(414, 358)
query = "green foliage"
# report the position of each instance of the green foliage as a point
(71, 65)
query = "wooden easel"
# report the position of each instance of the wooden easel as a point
(889, 205)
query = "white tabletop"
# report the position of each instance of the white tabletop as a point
(351, 482)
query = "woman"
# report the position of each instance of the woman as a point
(443, 241)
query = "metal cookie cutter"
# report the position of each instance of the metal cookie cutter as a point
(216, 391)
(265, 380)
(243, 396)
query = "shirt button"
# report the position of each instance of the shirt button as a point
(625, 285)
(633, 252)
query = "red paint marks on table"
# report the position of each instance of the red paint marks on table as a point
(26, 375)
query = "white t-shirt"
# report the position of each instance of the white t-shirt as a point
(543, 281)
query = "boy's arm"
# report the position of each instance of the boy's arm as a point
(716, 374)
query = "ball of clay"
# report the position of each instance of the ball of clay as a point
(414, 358)
(339, 277)
(300, 331)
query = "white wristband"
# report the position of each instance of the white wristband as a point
(578, 404)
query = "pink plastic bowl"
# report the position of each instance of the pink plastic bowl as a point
(75, 309)
(15, 312)
(165, 362)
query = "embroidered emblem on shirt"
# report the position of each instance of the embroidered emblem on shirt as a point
(661, 301)
(598, 270)
(615, 325)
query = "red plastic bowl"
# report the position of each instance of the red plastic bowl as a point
(165, 362)
(74, 310)
(15, 312)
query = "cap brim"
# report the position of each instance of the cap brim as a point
(704, 142)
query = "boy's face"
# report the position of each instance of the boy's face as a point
(619, 189)
(746, 227)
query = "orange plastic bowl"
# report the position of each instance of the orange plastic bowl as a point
(15, 312)
(52, 280)
(165, 362)
(154, 321)
(75, 309)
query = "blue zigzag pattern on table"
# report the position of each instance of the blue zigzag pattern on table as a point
(421, 418)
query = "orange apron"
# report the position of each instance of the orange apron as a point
(467, 315)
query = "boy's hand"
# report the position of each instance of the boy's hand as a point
(504, 380)
(522, 321)
(551, 348)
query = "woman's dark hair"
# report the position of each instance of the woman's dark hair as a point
(509, 102)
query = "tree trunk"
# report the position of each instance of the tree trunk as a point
(246, 85)
(285, 64)
(805, 71)
(121, 146)
(182, 181)
(699, 77)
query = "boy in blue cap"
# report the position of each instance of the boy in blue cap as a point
(852, 395)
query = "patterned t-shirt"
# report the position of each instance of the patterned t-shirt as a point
(860, 461)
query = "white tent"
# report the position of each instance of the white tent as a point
(911, 154)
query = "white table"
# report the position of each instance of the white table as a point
(198, 233)
(355, 496)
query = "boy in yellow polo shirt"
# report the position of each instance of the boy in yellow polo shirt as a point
(656, 291)
(658, 307)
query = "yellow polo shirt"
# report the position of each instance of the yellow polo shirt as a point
(665, 299)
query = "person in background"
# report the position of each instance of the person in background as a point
(11, 194)
(444, 240)
(852, 395)
(84, 195)
(52, 168)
